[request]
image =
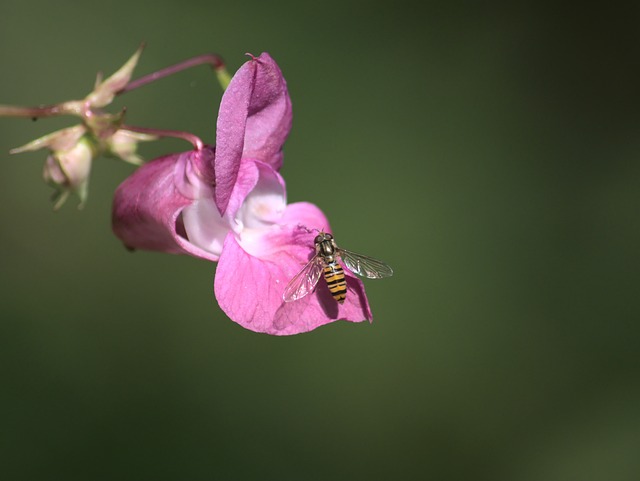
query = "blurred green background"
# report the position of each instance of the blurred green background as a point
(489, 154)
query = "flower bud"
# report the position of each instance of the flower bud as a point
(68, 171)
(68, 165)
(124, 143)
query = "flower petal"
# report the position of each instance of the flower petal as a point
(265, 203)
(253, 122)
(270, 114)
(147, 205)
(307, 215)
(203, 224)
(257, 201)
(249, 289)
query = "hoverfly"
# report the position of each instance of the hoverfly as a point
(326, 259)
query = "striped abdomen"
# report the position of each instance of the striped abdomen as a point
(334, 275)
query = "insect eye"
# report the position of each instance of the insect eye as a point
(328, 236)
(318, 239)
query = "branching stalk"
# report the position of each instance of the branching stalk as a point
(210, 58)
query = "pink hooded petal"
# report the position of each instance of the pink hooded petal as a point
(253, 122)
(270, 114)
(249, 289)
(147, 205)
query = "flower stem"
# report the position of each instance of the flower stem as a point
(31, 112)
(210, 58)
(192, 139)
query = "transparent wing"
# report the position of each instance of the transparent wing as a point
(304, 281)
(365, 266)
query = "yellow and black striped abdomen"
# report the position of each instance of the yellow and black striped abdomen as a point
(334, 275)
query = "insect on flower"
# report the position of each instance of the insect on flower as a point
(326, 260)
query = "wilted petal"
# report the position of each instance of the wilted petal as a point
(253, 122)
(249, 289)
(147, 207)
(75, 163)
(105, 91)
(53, 173)
(68, 171)
(124, 144)
(64, 139)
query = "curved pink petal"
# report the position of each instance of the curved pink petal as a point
(194, 173)
(253, 122)
(147, 205)
(270, 114)
(249, 289)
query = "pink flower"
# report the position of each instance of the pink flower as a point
(228, 204)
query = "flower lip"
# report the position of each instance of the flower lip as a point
(263, 278)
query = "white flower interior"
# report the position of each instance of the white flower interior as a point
(261, 209)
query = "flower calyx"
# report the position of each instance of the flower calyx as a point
(72, 150)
